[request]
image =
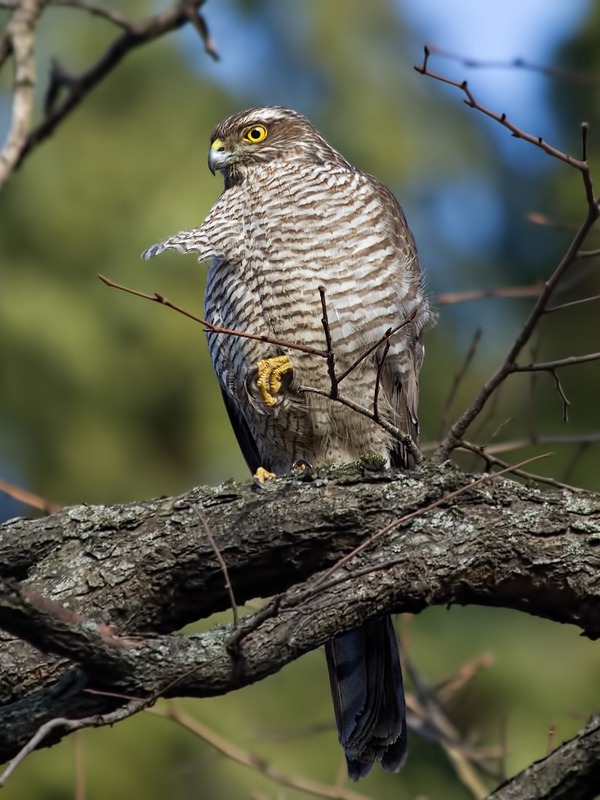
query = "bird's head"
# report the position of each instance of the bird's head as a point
(261, 136)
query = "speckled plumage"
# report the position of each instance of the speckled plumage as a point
(295, 215)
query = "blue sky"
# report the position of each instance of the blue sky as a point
(481, 29)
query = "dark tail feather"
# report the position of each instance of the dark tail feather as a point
(368, 696)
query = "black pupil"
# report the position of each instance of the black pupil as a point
(255, 133)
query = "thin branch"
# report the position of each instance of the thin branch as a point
(515, 469)
(532, 411)
(327, 354)
(67, 726)
(572, 303)
(588, 254)
(328, 345)
(586, 439)
(380, 368)
(561, 393)
(428, 704)
(452, 298)
(549, 366)
(137, 33)
(576, 457)
(219, 556)
(398, 434)
(199, 24)
(518, 63)
(19, 39)
(208, 326)
(459, 428)
(385, 338)
(537, 218)
(465, 674)
(29, 499)
(501, 119)
(98, 10)
(458, 379)
(257, 763)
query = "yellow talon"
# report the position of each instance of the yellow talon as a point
(270, 372)
(263, 475)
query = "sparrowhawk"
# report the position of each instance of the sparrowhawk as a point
(295, 216)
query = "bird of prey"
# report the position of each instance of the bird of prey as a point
(294, 216)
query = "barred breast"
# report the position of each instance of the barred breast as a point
(310, 226)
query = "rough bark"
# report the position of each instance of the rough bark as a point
(571, 772)
(90, 596)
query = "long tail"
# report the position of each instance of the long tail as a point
(368, 696)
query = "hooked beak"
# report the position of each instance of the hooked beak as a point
(218, 157)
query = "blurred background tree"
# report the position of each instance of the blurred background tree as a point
(105, 398)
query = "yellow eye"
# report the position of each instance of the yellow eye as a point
(255, 134)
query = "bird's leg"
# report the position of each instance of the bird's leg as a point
(270, 372)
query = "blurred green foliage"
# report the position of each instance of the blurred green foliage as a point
(108, 398)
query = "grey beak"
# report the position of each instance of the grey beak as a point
(218, 157)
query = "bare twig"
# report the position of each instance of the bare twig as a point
(199, 23)
(259, 764)
(328, 344)
(549, 366)
(501, 119)
(208, 326)
(537, 218)
(491, 460)
(134, 34)
(385, 338)
(219, 556)
(518, 63)
(397, 433)
(452, 298)
(581, 439)
(428, 705)
(98, 10)
(69, 725)
(577, 455)
(572, 303)
(380, 367)
(509, 366)
(588, 254)
(448, 688)
(29, 499)
(458, 379)
(561, 393)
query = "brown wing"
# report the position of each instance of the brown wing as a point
(403, 387)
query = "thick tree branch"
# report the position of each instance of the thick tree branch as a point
(100, 589)
(571, 772)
